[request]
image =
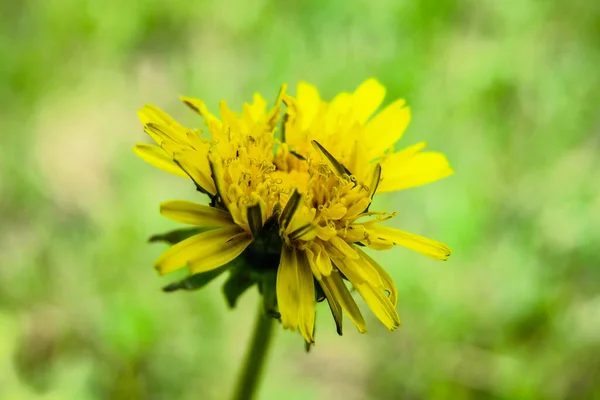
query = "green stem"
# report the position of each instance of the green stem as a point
(249, 378)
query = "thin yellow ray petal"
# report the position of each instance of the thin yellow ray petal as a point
(358, 208)
(155, 114)
(359, 271)
(196, 165)
(305, 232)
(400, 173)
(343, 247)
(217, 173)
(195, 214)
(420, 244)
(377, 243)
(200, 107)
(322, 260)
(257, 109)
(157, 157)
(306, 295)
(201, 145)
(158, 122)
(203, 245)
(309, 102)
(162, 134)
(387, 127)
(381, 306)
(152, 114)
(408, 152)
(367, 99)
(386, 279)
(334, 305)
(342, 295)
(288, 298)
(310, 255)
(228, 116)
(221, 253)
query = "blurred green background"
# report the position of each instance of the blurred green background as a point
(510, 91)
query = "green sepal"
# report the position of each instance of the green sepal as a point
(196, 281)
(335, 164)
(176, 236)
(238, 282)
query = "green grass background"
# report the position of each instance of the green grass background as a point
(509, 90)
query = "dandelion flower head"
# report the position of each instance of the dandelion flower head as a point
(296, 181)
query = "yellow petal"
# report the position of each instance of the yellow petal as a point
(210, 245)
(409, 151)
(152, 114)
(367, 99)
(257, 110)
(334, 305)
(305, 232)
(310, 255)
(306, 292)
(381, 306)
(195, 214)
(420, 244)
(196, 165)
(221, 253)
(309, 102)
(358, 208)
(402, 172)
(377, 243)
(229, 117)
(322, 261)
(341, 105)
(342, 295)
(288, 298)
(217, 173)
(196, 143)
(343, 247)
(156, 156)
(326, 232)
(387, 127)
(199, 106)
(359, 271)
(165, 134)
(386, 279)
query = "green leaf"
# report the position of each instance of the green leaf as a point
(176, 236)
(196, 281)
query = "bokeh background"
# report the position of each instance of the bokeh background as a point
(510, 91)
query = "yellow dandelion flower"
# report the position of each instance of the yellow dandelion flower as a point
(233, 167)
(296, 209)
(323, 240)
(182, 151)
(359, 137)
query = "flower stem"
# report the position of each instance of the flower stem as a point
(250, 375)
